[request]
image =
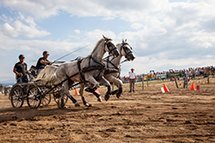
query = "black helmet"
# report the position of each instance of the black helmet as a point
(21, 56)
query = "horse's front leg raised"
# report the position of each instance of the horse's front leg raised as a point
(95, 84)
(118, 83)
(93, 91)
(107, 84)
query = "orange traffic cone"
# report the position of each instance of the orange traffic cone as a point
(164, 89)
(76, 93)
(192, 87)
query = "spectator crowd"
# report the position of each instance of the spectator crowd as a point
(179, 74)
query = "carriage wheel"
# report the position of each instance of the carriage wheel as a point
(46, 100)
(61, 100)
(16, 96)
(34, 97)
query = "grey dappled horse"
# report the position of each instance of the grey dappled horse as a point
(112, 71)
(89, 69)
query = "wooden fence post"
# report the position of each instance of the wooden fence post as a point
(143, 83)
(176, 83)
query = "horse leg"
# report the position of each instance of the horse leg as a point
(81, 91)
(74, 101)
(118, 83)
(93, 91)
(106, 83)
(66, 91)
(92, 80)
(95, 84)
(98, 96)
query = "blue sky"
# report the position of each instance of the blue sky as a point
(165, 34)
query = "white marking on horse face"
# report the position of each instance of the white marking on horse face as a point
(123, 49)
(123, 52)
(127, 51)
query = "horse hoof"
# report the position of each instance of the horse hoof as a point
(118, 95)
(77, 104)
(88, 105)
(107, 97)
(99, 99)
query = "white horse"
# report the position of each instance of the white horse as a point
(89, 69)
(112, 72)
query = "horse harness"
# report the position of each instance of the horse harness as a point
(108, 69)
(99, 66)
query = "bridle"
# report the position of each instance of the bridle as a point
(109, 44)
(127, 52)
(126, 49)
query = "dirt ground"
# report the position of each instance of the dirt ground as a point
(146, 116)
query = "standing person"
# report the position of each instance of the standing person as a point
(132, 79)
(186, 79)
(20, 69)
(43, 61)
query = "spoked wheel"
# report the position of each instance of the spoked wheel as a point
(16, 96)
(61, 100)
(47, 98)
(34, 97)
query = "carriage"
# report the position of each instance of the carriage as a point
(35, 94)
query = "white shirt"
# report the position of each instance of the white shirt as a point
(132, 75)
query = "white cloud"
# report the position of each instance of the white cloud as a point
(9, 30)
(22, 26)
(77, 31)
(164, 34)
(32, 49)
(111, 8)
(95, 35)
(37, 9)
(137, 25)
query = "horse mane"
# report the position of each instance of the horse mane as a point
(118, 45)
(98, 43)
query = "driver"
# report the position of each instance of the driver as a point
(43, 61)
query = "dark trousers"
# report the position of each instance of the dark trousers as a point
(132, 84)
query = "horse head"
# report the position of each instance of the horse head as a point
(126, 50)
(110, 47)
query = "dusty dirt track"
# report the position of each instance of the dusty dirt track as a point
(181, 116)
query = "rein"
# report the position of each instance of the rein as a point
(67, 54)
(110, 61)
(123, 61)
